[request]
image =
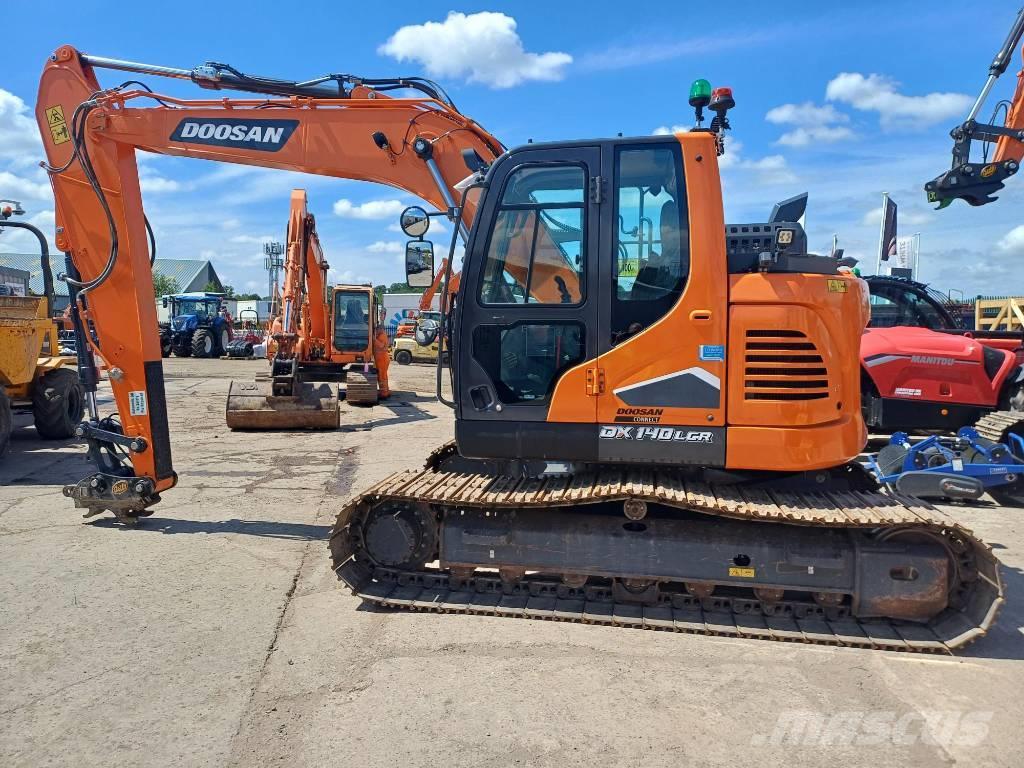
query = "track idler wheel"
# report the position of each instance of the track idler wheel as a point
(401, 535)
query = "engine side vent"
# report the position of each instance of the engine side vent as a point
(783, 365)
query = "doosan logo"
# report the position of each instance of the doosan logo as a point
(262, 135)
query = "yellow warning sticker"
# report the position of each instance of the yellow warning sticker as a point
(837, 286)
(629, 267)
(987, 171)
(742, 573)
(58, 126)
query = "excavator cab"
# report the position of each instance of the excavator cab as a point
(606, 315)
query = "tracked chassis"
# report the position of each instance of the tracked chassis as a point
(850, 568)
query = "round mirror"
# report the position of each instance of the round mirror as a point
(414, 221)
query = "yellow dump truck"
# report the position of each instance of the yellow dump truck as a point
(33, 375)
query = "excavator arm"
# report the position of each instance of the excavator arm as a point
(340, 127)
(304, 299)
(976, 182)
(427, 299)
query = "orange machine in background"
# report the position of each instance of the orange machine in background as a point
(325, 335)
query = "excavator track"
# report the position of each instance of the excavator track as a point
(998, 425)
(972, 608)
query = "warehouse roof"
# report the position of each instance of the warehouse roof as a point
(182, 271)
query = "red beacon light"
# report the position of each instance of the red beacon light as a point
(721, 102)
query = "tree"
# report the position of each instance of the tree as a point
(215, 286)
(164, 285)
(247, 296)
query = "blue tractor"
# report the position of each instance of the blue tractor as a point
(196, 327)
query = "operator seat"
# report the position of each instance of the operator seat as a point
(664, 271)
(354, 312)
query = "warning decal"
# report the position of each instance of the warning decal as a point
(629, 267)
(137, 402)
(743, 573)
(58, 126)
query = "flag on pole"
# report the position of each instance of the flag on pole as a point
(887, 244)
(905, 256)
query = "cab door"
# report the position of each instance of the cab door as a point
(664, 323)
(528, 309)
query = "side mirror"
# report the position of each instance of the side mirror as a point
(414, 221)
(419, 263)
(164, 302)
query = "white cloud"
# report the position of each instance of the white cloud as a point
(733, 148)
(19, 133)
(823, 134)
(812, 124)
(647, 52)
(346, 277)
(15, 187)
(22, 241)
(772, 169)
(807, 113)
(766, 171)
(481, 47)
(903, 216)
(374, 209)
(1013, 241)
(251, 239)
(385, 246)
(159, 184)
(878, 93)
(664, 130)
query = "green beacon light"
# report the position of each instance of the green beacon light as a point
(700, 93)
(700, 97)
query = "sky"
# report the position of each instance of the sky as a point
(843, 101)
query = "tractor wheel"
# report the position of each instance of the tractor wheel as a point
(182, 345)
(58, 402)
(223, 339)
(403, 357)
(5, 421)
(202, 343)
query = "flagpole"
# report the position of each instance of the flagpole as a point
(881, 234)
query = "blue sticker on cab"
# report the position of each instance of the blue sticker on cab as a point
(714, 353)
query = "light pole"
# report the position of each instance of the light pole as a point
(273, 263)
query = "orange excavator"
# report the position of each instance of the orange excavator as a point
(326, 336)
(655, 415)
(973, 181)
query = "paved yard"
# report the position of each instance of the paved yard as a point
(216, 634)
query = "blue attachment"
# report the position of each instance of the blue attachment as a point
(945, 455)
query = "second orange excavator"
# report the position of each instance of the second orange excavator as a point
(327, 335)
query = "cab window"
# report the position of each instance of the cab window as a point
(536, 253)
(351, 321)
(652, 260)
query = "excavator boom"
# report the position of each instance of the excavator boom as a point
(91, 135)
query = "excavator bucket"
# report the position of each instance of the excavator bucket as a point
(252, 405)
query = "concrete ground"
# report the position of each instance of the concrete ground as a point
(216, 634)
